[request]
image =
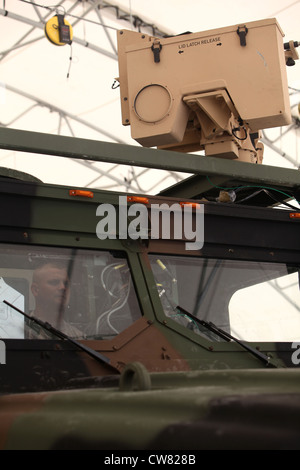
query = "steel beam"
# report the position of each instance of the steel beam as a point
(38, 25)
(94, 150)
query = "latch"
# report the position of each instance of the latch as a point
(290, 52)
(156, 48)
(242, 32)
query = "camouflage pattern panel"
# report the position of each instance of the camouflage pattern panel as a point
(171, 411)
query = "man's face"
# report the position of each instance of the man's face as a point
(51, 288)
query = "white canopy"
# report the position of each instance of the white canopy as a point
(37, 94)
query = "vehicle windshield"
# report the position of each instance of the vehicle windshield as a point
(253, 301)
(83, 293)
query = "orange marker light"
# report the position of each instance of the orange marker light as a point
(138, 199)
(294, 215)
(194, 205)
(80, 192)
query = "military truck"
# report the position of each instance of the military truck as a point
(166, 323)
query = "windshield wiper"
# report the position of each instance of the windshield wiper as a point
(224, 335)
(60, 334)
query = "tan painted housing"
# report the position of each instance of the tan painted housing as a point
(212, 90)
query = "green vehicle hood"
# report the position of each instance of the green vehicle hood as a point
(199, 410)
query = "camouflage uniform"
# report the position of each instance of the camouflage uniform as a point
(35, 331)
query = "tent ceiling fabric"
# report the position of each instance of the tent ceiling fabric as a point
(37, 94)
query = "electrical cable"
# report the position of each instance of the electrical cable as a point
(281, 202)
(238, 129)
(250, 196)
(71, 58)
(253, 186)
(119, 302)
